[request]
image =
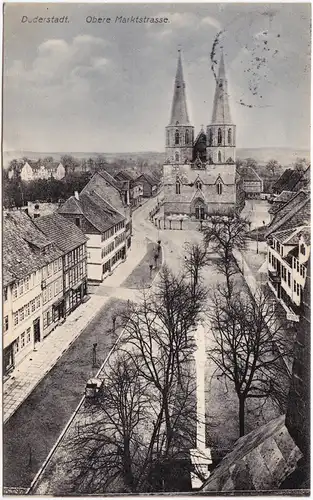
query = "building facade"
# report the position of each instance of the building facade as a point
(200, 176)
(73, 243)
(106, 231)
(39, 171)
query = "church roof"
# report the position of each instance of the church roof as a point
(179, 115)
(221, 110)
(188, 175)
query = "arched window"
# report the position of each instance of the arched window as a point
(219, 136)
(168, 137)
(211, 137)
(176, 137)
(219, 188)
(177, 187)
(198, 185)
(219, 157)
(187, 136)
(229, 136)
(210, 160)
(176, 156)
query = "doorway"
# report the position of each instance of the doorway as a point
(36, 330)
(200, 212)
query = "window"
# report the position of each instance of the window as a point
(176, 137)
(56, 287)
(50, 292)
(49, 269)
(187, 136)
(28, 334)
(298, 289)
(278, 247)
(17, 344)
(77, 221)
(27, 310)
(21, 314)
(302, 249)
(289, 282)
(198, 185)
(177, 187)
(22, 340)
(219, 188)
(294, 286)
(219, 157)
(38, 302)
(60, 264)
(176, 156)
(21, 287)
(219, 137)
(44, 296)
(26, 282)
(298, 266)
(15, 317)
(229, 136)
(5, 293)
(15, 291)
(6, 324)
(55, 266)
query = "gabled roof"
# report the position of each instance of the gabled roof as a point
(288, 180)
(221, 110)
(290, 236)
(123, 175)
(249, 174)
(294, 213)
(97, 211)
(179, 114)
(149, 178)
(25, 248)
(71, 206)
(108, 177)
(63, 232)
(280, 201)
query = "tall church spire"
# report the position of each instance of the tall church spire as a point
(221, 110)
(179, 115)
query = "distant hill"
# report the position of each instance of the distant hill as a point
(285, 156)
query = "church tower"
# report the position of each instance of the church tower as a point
(179, 133)
(221, 134)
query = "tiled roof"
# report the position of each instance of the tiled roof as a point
(149, 178)
(292, 235)
(260, 460)
(62, 231)
(108, 177)
(288, 180)
(21, 253)
(123, 175)
(97, 211)
(296, 212)
(249, 174)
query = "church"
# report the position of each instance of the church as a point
(199, 174)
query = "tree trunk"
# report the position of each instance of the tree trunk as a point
(127, 465)
(241, 416)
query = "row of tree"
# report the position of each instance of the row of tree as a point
(146, 422)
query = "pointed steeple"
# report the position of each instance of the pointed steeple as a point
(221, 110)
(179, 115)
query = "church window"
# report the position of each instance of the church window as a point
(219, 188)
(198, 185)
(219, 156)
(177, 187)
(211, 137)
(187, 137)
(177, 137)
(229, 136)
(219, 136)
(176, 156)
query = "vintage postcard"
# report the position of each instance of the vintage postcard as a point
(156, 248)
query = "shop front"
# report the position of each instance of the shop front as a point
(8, 359)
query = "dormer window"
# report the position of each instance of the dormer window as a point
(176, 137)
(219, 188)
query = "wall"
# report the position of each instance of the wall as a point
(52, 276)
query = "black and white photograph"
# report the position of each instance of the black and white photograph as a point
(156, 235)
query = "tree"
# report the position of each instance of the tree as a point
(70, 163)
(224, 234)
(272, 166)
(195, 259)
(251, 162)
(301, 164)
(249, 346)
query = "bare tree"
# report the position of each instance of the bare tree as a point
(272, 167)
(224, 234)
(249, 346)
(195, 259)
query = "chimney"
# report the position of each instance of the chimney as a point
(76, 195)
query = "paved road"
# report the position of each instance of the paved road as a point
(32, 431)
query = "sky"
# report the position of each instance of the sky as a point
(108, 87)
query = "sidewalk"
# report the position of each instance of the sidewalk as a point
(38, 363)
